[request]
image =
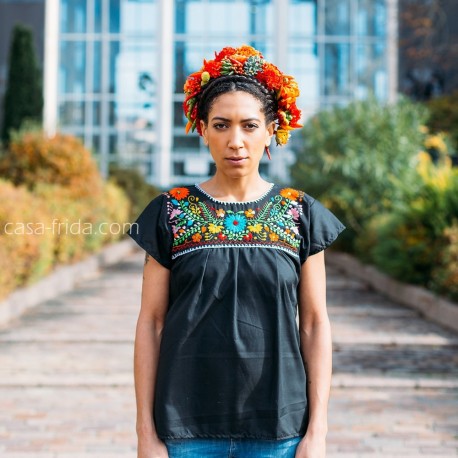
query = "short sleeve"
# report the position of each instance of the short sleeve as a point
(152, 232)
(319, 228)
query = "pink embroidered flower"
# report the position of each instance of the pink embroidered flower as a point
(175, 212)
(294, 213)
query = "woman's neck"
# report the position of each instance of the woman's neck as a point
(240, 189)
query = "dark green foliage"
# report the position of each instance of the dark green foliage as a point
(137, 189)
(23, 96)
(360, 159)
(444, 116)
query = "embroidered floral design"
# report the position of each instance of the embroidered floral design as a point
(179, 193)
(199, 224)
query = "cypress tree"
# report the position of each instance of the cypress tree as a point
(23, 97)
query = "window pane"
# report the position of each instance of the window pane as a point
(72, 70)
(97, 68)
(371, 70)
(371, 19)
(302, 15)
(138, 17)
(97, 16)
(337, 69)
(337, 17)
(96, 113)
(114, 66)
(71, 113)
(73, 16)
(114, 16)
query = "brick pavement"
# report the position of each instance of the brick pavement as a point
(66, 375)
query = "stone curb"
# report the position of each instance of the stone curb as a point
(430, 305)
(62, 279)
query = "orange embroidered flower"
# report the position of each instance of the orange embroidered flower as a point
(196, 238)
(274, 237)
(289, 193)
(220, 213)
(203, 229)
(249, 213)
(179, 193)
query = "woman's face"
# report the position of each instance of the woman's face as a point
(236, 133)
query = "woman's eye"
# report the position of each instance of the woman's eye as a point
(251, 126)
(219, 126)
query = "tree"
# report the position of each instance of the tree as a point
(23, 96)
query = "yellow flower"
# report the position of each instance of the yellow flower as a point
(249, 213)
(436, 142)
(214, 229)
(282, 136)
(256, 228)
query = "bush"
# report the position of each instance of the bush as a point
(445, 273)
(26, 253)
(409, 243)
(33, 158)
(444, 116)
(140, 193)
(358, 160)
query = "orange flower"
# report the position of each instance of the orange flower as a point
(270, 76)
(179, 193)
(203, 229)
(213, 68)
(289, 193)
(220, 213)
(274, 237)
(196, 238)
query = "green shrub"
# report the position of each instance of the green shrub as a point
(444, 116)
(409, 243)
(358, 159)
(445, 274)
(140, 193)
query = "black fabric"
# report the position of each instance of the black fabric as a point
(230, 363)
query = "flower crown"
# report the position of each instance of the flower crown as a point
(247, 61)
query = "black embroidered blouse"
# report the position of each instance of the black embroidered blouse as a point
(230, 362)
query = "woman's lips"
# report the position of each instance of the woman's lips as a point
(236, 160)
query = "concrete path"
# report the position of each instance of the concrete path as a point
(66, 375)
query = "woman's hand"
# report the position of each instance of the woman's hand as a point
(312, 446)
(151, 448)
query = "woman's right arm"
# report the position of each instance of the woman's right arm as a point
(154, 303)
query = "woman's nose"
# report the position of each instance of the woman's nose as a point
(235, 139)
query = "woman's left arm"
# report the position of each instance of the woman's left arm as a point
(316, 349)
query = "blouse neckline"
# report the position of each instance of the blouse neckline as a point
(263, 196)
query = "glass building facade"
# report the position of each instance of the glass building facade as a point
(122, 65)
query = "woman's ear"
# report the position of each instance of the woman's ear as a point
(270, 133)
(203, 128)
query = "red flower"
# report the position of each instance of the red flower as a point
(270, 76)
(221, 236)
(248, 237)
(225, 52)
(179, 193)
(213, 67)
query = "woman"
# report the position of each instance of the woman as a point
(221, 368)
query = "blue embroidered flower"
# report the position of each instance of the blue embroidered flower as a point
(235, 223)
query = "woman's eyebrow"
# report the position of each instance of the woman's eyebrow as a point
(220, 118)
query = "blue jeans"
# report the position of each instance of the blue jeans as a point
(232, 448)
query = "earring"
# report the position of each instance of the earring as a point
(268, 153)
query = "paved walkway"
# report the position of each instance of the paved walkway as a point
(66, 375)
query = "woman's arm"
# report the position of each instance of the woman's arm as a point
(316, 348)
(154, 302)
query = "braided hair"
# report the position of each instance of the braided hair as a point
(235, 83)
